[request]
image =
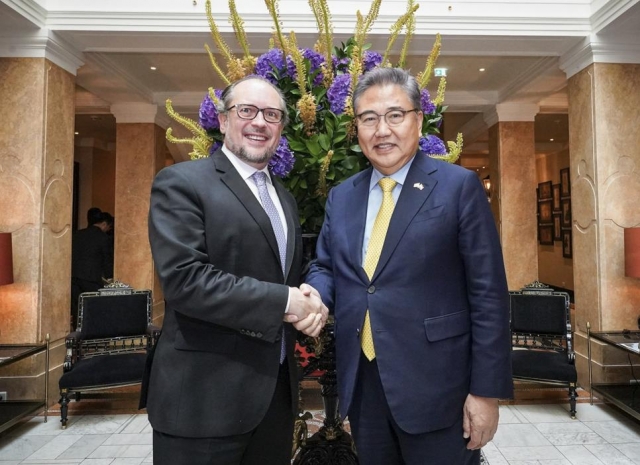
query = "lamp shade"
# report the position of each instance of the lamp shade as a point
(632, 252)
(6, 259)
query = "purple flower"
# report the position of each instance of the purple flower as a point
(340, 65)
(266, 62)
(316, 60)
(208, 113)
(338, 93)
(283, 160)
(371, 60)
(215, 146)
(432, 145)
(428, 106)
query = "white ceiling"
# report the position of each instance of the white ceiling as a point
(526, 48)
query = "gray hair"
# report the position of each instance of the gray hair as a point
(227, 96)
(388, 76)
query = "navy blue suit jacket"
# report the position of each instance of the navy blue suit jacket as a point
(438, 299)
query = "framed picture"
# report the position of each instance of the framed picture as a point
(557, 226)
(567, 246)
(565, 205)
(544, 191)
(556, 198)
(544, 212)
(565, 183)
(545, 234)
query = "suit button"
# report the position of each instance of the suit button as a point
(371, 289)
(253, 334)
(258, 334)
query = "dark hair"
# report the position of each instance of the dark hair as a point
(385, 77)
(94, 216)
(227, 96)
(108, 217)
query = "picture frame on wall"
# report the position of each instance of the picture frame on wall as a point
(566, 213)
(556, 198)
(545, 191)
(565, 183)
(567, 245)
(557, 226)
(544, 212)
(545, 234)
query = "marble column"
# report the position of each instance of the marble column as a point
(36, 178)
(604, 110)
(513, 182)
(140, 154)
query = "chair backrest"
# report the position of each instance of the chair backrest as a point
(540, 319)
(108, 316)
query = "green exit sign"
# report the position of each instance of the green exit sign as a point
(440, 72)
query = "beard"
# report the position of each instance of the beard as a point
(251, 158)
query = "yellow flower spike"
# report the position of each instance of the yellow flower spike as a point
(238, 28)
(425, 75)
(221, 45)
(236, 69)
(188, 123)
(200, 147)
(272, 6)
(455, 149)
(325, 27)
(411, 28)
(216, 67)
(396, 29)
(440, 95)
(307, 108)
(213, 97)
(322, 180)
(364, 26)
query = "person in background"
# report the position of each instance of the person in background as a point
(110, 232)
(227, 246)
(409, 260)
(91, 259)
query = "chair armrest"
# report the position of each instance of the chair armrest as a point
(572, 357)
(153, 332)
(72, 339)
(72, 343)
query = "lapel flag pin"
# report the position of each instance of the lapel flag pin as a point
(418, 185)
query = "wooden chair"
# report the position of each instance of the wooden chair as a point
(109, 347)
(542, 339)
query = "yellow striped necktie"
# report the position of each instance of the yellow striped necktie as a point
(374, 248)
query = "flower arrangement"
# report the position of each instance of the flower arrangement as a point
(319, 148)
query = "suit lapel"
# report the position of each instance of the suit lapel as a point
(411, 199)
(356, 218)
(230, 177)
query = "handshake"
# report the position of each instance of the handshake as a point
(306, 310)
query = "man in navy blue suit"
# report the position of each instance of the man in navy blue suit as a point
(409, 261)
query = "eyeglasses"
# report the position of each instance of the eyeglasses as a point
(270, 115)
(370, 119)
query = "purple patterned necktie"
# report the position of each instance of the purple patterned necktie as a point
(260, 178)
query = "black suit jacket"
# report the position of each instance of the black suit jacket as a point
(217, 361)
(91, 258)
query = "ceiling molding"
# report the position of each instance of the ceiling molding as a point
(109, 68)
(42, 43)
(611, 11)
(593, 50)
(30, 10)
(540, 68)
(504, 112)
(134, 112)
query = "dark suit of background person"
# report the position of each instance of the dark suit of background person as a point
(216, 383)
(438, 299)
(91, 259)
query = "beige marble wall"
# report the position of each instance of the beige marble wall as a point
(140, 149)
(513, 176)
(36, 175)
(36, 164)
(604, 110)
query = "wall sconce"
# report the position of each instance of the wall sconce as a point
(486, 182)
(6, 259)
(632, 252)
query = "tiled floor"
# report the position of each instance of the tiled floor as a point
(528, 435)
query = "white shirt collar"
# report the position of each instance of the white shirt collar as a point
(244, 169)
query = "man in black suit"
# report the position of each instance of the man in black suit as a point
(223, 382)
(91, 259)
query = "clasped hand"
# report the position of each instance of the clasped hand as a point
(306, 312)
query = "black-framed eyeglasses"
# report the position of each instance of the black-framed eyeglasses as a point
(270, 115)
(370, 119)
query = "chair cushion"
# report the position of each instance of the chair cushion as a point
(105, 370)
(540, 365)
